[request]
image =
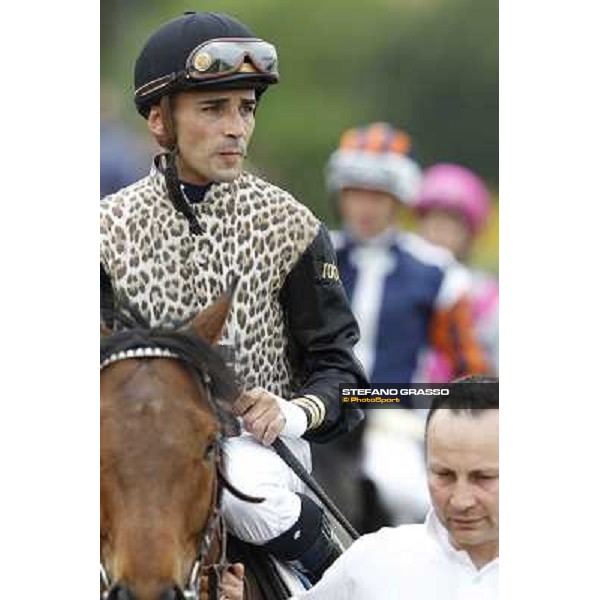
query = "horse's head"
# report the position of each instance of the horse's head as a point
(161, 421)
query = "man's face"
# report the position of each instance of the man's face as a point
(367, 213)
(447, 229)
(213, 132)
(463, 478)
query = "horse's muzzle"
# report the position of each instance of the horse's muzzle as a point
(121, 592)
(173, 593)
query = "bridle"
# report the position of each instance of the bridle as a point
(215, 528)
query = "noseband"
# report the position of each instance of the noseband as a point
(214, 528)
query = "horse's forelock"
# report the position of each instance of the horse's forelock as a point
(192, 350)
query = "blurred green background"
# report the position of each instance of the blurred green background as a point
(427, 66)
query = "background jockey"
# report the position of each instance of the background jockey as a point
(171, 242)
(453, 205)
(407, 295)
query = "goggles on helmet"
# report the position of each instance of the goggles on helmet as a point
(219, 58)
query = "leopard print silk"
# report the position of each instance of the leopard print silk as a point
(253, 229)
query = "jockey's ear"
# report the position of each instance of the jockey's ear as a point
(104, 330)
(209, 323)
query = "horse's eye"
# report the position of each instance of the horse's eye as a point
(209, 452)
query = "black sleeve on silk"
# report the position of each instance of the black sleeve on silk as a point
(106, 298)
(322, 332)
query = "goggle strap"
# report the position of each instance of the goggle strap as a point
(155, 85)
(191, 72)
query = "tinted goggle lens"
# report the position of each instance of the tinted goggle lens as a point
(223, 57)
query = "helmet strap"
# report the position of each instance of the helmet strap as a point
(169, 141)
(176, 195)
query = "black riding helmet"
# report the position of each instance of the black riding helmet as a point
(168, 64)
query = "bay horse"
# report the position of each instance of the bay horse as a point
(165, 399)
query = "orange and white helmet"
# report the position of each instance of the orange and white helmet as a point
(375, 157)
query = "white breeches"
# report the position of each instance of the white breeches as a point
(258, 470)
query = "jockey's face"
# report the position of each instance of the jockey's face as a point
(447, 229)
(213, 132)
(367, 213)
(463, 477)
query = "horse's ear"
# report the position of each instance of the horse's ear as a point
(209, 323)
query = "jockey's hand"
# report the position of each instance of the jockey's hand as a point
(232, 584)
(266, 416)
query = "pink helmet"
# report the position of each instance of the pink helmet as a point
(453, 187)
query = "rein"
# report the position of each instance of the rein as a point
(215, 525)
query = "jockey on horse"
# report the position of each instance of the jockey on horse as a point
(171, 241)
